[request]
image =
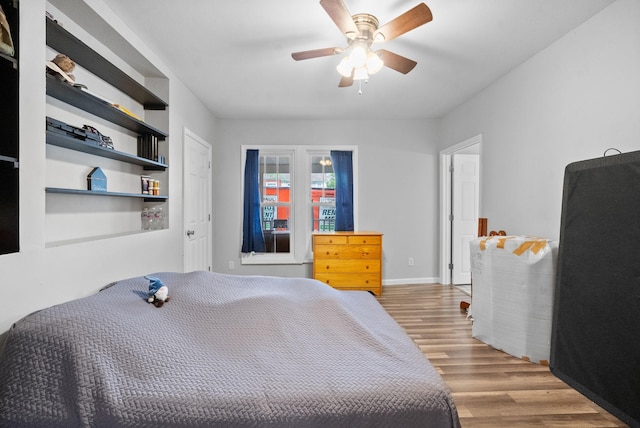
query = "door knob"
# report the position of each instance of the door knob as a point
(191, 232)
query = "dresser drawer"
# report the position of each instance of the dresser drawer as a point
(364, 240)
(329, 239)
(347, 252)
(350, 281)
(346, 266)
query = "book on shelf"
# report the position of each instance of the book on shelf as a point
(84, 89)
(128, 112)
(148, 147)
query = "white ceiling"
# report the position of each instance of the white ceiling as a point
(236, 55)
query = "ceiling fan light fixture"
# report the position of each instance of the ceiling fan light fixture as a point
(374, 62)
(358, 57)
(344, 67)
(360, 73)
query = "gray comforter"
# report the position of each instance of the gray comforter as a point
(228, 351)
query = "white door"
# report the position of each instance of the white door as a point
(464, 206)
(197, 203)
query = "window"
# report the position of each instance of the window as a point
(297, 197)
(275, 195)
(323, 194)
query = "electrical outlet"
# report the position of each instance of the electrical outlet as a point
(410, 261)
(232, 265)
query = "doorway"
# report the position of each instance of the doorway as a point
(459, 208)
(197, 203)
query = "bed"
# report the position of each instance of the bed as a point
(225, 350)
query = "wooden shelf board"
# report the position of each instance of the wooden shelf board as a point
(67, 142)
(84, 101)
(147, 198)
(64, 42)
(12, 60)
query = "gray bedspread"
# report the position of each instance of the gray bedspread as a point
(227, 351)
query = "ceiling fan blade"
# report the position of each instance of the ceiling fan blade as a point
(337, 10)
(346, 81)
(315, 53)
(419, 15)
(396, 62)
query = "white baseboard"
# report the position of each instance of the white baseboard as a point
(403, 281)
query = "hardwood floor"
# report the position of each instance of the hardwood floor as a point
(490, 388)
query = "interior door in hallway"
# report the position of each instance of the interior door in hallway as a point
(464, 206)
(197, 203)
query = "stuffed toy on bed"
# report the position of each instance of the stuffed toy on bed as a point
(158, 292)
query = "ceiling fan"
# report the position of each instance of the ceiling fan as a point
(362, 30)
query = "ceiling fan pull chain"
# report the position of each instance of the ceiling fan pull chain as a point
(359, 87)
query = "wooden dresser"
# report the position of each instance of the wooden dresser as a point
(349, 260)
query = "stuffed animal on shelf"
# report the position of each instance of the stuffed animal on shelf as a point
(62, 66)
(158, 292)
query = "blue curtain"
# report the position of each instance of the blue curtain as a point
(343, 168)
(252, 237)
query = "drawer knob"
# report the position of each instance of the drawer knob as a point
(366, 281)
(366, 267)
(328, 253)
(327, 267)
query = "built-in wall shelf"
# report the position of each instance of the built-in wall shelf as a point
(71, 143)
(13, 61)
(88, 219)
(10, 159)
(147, 198)
(85, 101)
(64, 42)
(9, 133)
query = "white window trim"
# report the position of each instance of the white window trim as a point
(300, 247)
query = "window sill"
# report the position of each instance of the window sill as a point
(268, 259)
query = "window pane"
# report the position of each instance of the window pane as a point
(323, 195)
(276, 190)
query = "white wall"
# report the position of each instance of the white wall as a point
(398, 188)
(570, 102)
(38, 277)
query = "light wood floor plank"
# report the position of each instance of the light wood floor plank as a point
(491, 388)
